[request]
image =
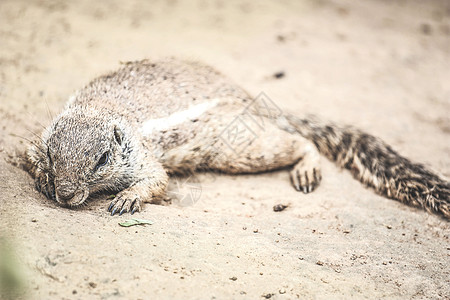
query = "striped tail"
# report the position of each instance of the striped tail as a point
(377, 165)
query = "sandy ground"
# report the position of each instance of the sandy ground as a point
(383, 66)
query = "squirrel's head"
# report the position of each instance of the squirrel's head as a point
(81, 154)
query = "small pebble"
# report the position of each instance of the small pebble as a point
(279, 207)
(279, 75)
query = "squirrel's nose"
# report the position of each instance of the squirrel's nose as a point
(64, 196)
(65, 191)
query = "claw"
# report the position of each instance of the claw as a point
(307, 179)
(110, 206)
(295, 183)
(122, 211)
(47, 194)
(133, 210)
(38, 187)
(305, 189)
(114, 211)
(299, 182)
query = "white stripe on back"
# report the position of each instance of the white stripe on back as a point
(177, 118)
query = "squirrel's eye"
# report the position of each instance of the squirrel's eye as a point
(103, 160)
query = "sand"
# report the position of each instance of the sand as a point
(382, 66)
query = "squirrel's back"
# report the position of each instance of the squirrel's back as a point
(144, 89)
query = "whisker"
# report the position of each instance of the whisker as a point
(37, 136)
(49, 112)
(35, 120)
(32, 142)
(23, 138)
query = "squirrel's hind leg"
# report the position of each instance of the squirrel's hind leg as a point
(266, 148)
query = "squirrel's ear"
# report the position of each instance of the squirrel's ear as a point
(118, 135)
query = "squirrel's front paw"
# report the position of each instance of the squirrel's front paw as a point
(125, 201)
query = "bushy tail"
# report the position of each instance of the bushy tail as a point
(376, 164)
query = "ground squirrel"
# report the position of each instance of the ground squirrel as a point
(127, 131)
